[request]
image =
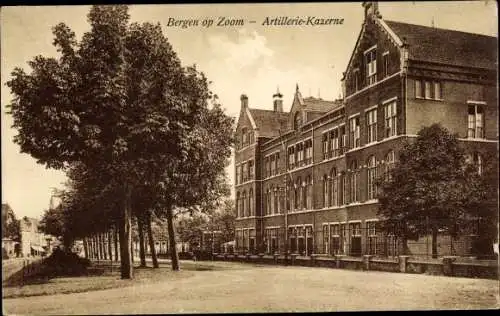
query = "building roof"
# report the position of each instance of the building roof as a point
(447, 46)
(269, 122)
(320, 105)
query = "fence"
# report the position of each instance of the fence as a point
(358, 239)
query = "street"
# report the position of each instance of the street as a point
(252, 288)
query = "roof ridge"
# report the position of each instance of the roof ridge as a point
(438, 28)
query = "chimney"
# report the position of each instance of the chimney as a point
(371, 9)
(244, 101)
(278, 101)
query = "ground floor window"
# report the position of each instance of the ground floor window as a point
(355, 230)
(251, 241)
(271, 240)
(336, 242)
(372, 239)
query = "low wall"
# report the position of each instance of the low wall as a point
(448, 266)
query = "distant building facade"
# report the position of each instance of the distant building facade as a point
(33, 241)
(308, 175)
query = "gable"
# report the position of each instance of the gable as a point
(377, 38)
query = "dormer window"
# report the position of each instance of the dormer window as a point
(371, 65)
(356, 79)
(297, 121)
(244, 137)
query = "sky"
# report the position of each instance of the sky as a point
(252, 58)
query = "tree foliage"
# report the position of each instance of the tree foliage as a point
(136, 131)
(11, 227)
(431, 188)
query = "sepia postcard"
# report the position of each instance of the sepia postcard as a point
(249, 157)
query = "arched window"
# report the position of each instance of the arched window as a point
(304, 194)
(309, 194)
(238, 206)
(243, 204)
(282, 193)
(389, 164)
(372, 175)
(354, 181)
(250, 203)
(268, 201)
(298, 195)
(271, 201)
(297, 120)
(334, 187)
(244, 137)
(325, 191)
(288, 192)
(276, 201)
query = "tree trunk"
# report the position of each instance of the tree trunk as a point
(132, 248)
(151, 242)
(101, 246)
(116, 237)
(110, 245)
(142, 252)
(126, 267)
(96, 243)
(434, 242)
(171, 237)
(104, 246)
(96, 249)
(85, 248)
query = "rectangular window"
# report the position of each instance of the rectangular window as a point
(475, 128)
(251, 171)
(371, 126)
(334, 142)
(430, 90)
(342, 140)
(291, 158)
(237, 174)
(335, 247)
(390, 119)
(428, 94)
(386, 64)
(354, 132)
(437, 90)
(418, 89)
(273, 165)
(371, 233)
(309, 152)
(276, 162)
(325, 146)
(356, 79)
(371, 66)
(325, 239)
(300, 154)
(245, 172)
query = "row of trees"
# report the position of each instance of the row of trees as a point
(138, 134)
(436, 186)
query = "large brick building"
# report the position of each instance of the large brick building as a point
(307, 175)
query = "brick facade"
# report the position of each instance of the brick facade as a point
(380, 96)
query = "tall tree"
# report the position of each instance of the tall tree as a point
(429, 189)
(11, 227)
(119, 102)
